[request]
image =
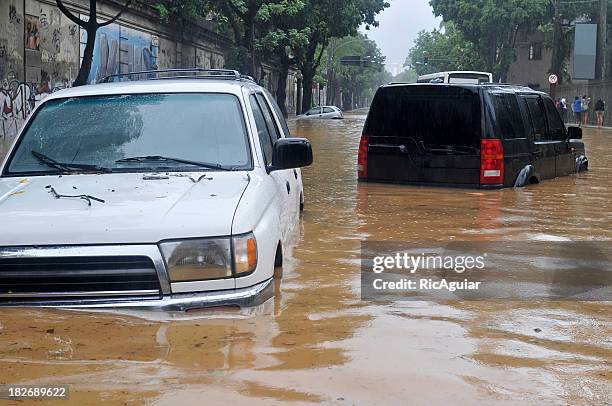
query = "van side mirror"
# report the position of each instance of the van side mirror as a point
(291, 153)
(574, 133)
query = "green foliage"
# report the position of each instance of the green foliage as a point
(492, 26)
(444, 49)
(294, 31)
(360, 81)
(406, 76)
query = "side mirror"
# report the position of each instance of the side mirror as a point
(574, 133)
(291, 153)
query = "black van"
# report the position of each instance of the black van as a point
(485, 136)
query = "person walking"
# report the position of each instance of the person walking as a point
(600, 109)
(586, 101)
(577, 109)
(563, 109)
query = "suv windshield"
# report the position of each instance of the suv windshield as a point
(429, 115)
(164, 131)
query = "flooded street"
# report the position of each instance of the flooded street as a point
(319, 342)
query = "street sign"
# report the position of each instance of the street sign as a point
(553, 79)
(355, 60)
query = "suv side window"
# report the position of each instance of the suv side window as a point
(267, 113)
(508, 115)
(538, 118)
(279, 114)
(262, 130)
(555, 125)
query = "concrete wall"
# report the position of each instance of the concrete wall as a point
(41, 50)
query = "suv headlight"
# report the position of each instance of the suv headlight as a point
(210, 258)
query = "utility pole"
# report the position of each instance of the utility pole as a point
(556, 58)
(602, 31)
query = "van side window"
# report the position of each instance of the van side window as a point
(262, 130)
(508, 116)
(555, 125)
(538, 118)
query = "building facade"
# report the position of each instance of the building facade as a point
(533, 60)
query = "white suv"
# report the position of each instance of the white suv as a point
(167, 193)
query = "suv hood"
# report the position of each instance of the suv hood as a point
(137, 208)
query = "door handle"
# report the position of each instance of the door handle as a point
(288, 187)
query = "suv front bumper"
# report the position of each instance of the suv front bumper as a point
(244, 297)
(63, 276)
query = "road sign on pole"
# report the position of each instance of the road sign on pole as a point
(553, 79)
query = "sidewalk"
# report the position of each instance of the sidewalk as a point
(588, 126)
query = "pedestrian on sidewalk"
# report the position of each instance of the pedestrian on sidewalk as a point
(563, 109)
(586, 101)
(600, 110)
(577, 109)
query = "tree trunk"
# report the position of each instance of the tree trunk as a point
(308, 79)
(298, 99)
(281, 91)
(85, 68)
(557, 56)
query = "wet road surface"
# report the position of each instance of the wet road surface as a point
(318, 342)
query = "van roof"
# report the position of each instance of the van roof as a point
(516, 88)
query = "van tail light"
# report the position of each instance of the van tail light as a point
(491, 162)
(362, 158)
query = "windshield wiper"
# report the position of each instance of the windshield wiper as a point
(159, 158)
(67, 167)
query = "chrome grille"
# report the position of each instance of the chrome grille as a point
(36, 277)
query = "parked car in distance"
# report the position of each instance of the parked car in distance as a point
(173, 194)
(327, 112)
(466, 135)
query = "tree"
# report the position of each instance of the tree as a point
(443, 50)
(406, 76)
(285, 33)
(91, 27)
(560, 38)
(492, 26)
(327, 19)
(358, 83)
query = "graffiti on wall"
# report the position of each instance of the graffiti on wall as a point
(120, 49)
(39, 56)
(15, 104)
(18, 99)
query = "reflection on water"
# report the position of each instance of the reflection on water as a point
(320, 343)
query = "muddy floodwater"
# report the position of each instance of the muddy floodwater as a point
(317, 341)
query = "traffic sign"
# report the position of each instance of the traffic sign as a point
(553, 79)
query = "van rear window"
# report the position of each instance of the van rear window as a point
(431, 115)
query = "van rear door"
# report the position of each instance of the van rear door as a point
(426, 134)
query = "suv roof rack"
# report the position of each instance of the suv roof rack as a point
(508, 85)
(197, 73)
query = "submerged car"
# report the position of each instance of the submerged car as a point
(323, 112)
(466, 135)
(173, 194)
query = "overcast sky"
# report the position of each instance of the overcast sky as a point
(399, 25)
